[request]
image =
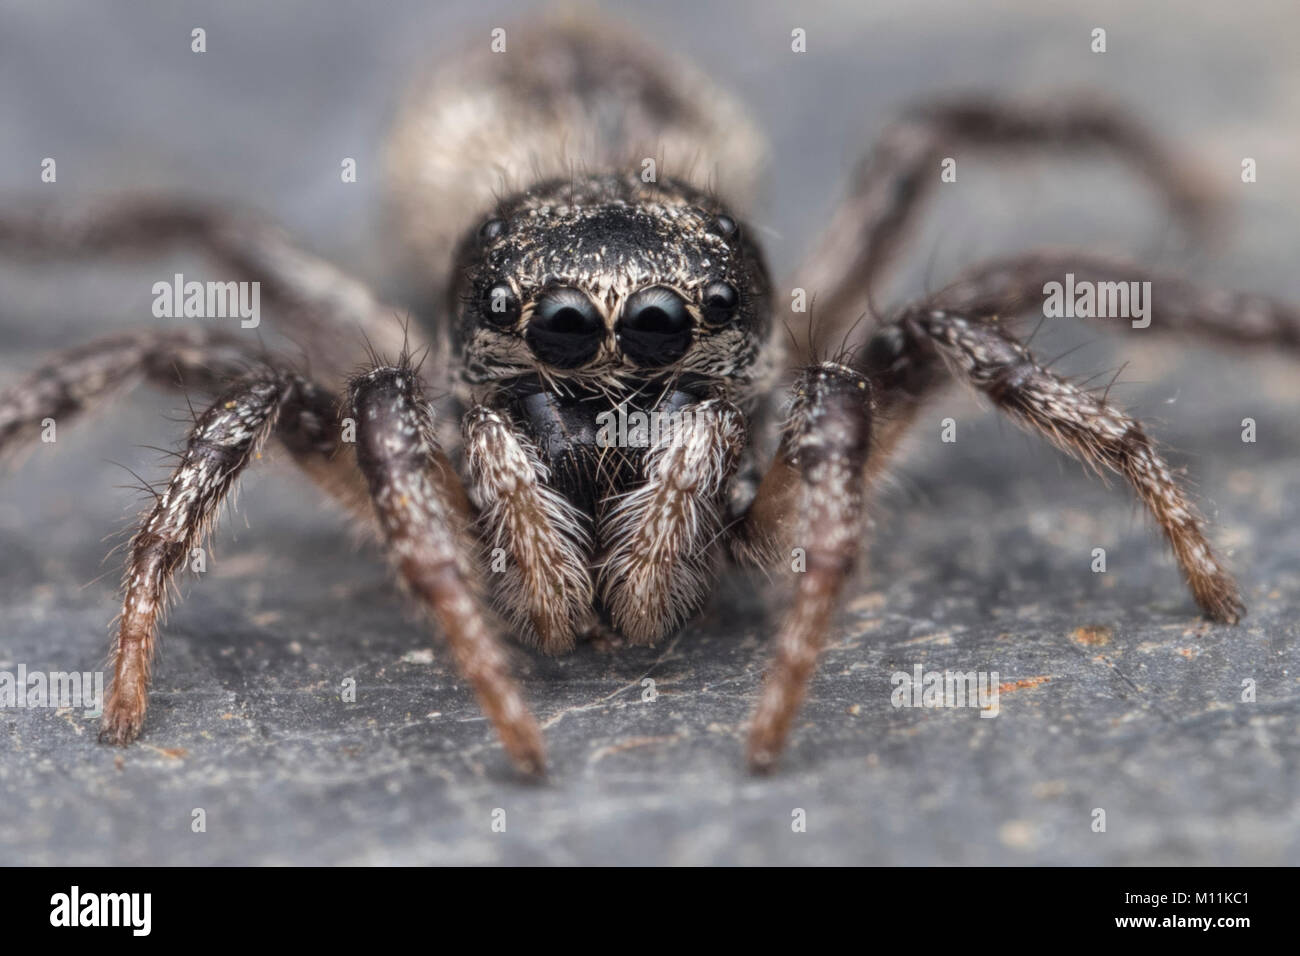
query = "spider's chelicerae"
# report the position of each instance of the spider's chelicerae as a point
(572, 210)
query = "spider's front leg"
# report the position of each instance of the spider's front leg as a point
(812, 498)
(1078, 422)
(425, 516)
(224, 440)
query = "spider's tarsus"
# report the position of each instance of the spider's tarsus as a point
(117, 736)
(762, 755)
(1222, 604)
(121, 724)
(527, 750)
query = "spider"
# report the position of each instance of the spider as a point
(570, 212)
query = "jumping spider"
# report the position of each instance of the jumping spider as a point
(568, 283)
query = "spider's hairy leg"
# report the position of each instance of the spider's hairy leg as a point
(547, 588)
(316, 298)
(224, 440)
(659, 538)
(891, 183)
(1086, 427)
(81, 380)
(424, 516)
(824, 448)
(1014, 286)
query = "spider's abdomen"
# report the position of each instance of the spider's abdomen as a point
(565, 96)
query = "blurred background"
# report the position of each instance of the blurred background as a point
(979, 558)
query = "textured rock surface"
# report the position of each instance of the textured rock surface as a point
(1115, 695)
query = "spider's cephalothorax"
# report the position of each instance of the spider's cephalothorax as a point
(579, 305)
(601, 421)
(584, 302)
(604, 282)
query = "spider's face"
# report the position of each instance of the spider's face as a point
(610, 280)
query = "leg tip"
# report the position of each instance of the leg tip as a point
(118, 730)
(761, 763)
(762, 753)
(1231, 614)
(528, 753)
(532, 767)
(1222, 605)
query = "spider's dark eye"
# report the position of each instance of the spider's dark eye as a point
(500, 305)
(720, 301)
(655, 328)
(884, 348)
(491, 230)
(726, 227)
(565, 329)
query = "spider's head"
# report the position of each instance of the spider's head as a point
(608, 280)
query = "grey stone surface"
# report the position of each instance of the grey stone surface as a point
(1116, 696)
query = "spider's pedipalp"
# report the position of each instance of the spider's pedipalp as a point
(547, 590)
(1088, 428)
(660, 537)
(424, 515)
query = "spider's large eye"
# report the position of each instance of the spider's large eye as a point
(501, 306)
(655, 328)
(720, 301)
(565, 329)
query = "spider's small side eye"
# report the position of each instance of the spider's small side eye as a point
(885, 347)
(491, 230)
(501, 305)
(726, 227)
(720, 301)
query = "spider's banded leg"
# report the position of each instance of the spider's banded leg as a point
(891, 183)
(424, 515)
(81, 380)
(1014, 286)
(1088, 428)
(223, 441)
(659, 538)
(546, 588)
(321, 303)
(824, 448)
